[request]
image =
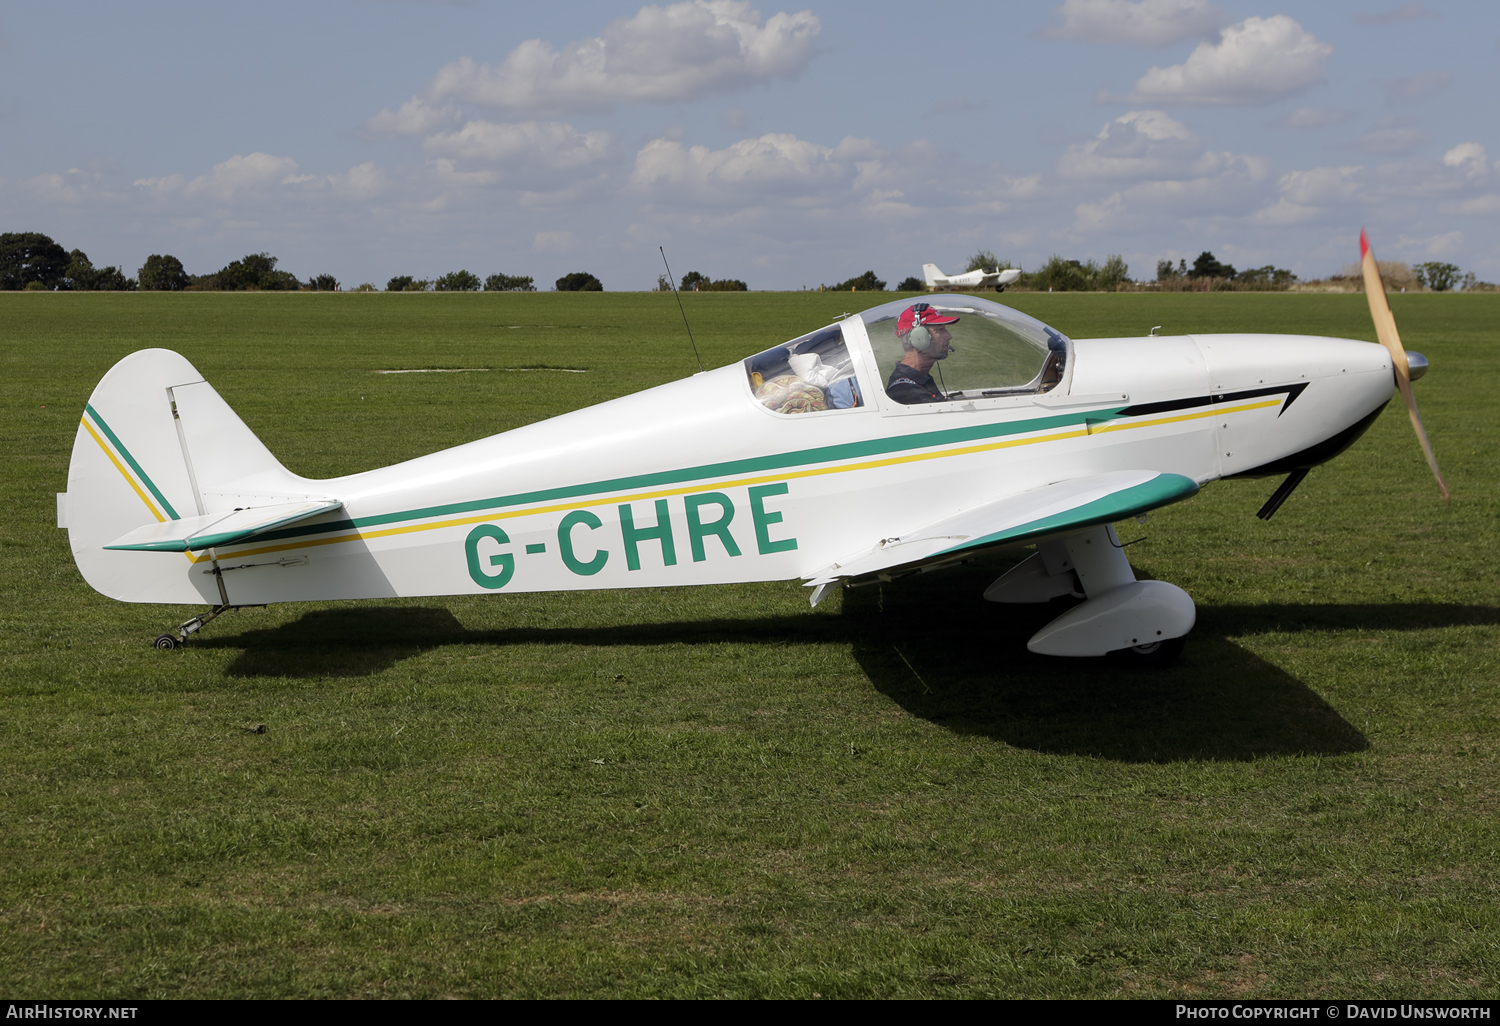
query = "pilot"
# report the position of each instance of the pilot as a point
(925, 338)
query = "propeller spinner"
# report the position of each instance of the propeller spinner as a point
(1385, 331)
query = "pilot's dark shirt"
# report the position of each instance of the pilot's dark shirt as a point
(909, 385)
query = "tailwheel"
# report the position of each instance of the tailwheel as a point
(167, 642)
(1154, 654)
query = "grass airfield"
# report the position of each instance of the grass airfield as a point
(717, 792)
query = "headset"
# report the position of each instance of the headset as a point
(920, 337)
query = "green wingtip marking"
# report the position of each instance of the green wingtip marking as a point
(1161, 490)
(115, 441)
(170, 545)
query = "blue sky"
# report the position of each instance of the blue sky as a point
(785, 145)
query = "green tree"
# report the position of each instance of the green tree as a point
(1206, 266)
(694, 281)
(1113, 272)
(1439, 277)
(79, 276)
(27, 257)
(1061, 275)
(83, 276)
(911, 283)
(252, 272)
(578, 281)
(457, 281)
(162, 274)
(323, 283)
(509, 283)
(400, 283)
(1267, 275)
(984, 260)
(866, 282)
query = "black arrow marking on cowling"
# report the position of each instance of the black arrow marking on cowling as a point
(1145, 409)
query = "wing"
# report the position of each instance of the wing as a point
(1061, 508)
(210, 529)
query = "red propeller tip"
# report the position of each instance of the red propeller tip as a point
(1364, 244)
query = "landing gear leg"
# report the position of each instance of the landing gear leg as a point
(166, 642)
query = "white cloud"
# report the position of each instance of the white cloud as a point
(1392, 136)
(1465, 154)
(1170, 174)
(414, 117)
(361, 182)
(261, 178)
(661, 55)
(72, 187)
(1285, 212)
(1137, 144)
(550, 145)
(1469, 158)
(1256, 61)
(1231, 190)
(552, 242)
(1308, 195)
(1441, 245)
(235, 177)
(1321, 186)
(1146, 22)
(1480, 205)
(772, 166)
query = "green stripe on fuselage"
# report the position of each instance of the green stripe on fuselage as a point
(757, 464)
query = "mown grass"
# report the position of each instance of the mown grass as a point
(715, 791)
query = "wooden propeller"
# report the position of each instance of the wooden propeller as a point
(1385, 331)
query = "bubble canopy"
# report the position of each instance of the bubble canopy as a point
(991, 350)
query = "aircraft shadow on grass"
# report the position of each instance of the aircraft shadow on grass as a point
(938, 650)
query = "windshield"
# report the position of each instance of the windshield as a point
(962, 347)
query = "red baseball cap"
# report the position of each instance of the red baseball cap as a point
(923, 314)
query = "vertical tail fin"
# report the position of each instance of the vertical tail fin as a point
(157, 443)
(931, 274)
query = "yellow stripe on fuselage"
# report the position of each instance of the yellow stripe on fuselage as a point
(1078, 432)
(1184, 416)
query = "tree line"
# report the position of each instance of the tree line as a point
(33, 261)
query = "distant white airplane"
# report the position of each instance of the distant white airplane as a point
(995, 278)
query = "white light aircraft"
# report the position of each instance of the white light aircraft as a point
(992, 278)
(903, 439)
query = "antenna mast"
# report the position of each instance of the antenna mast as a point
(673, 282)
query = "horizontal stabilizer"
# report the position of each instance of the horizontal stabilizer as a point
(210, 529)
(1052, 510)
